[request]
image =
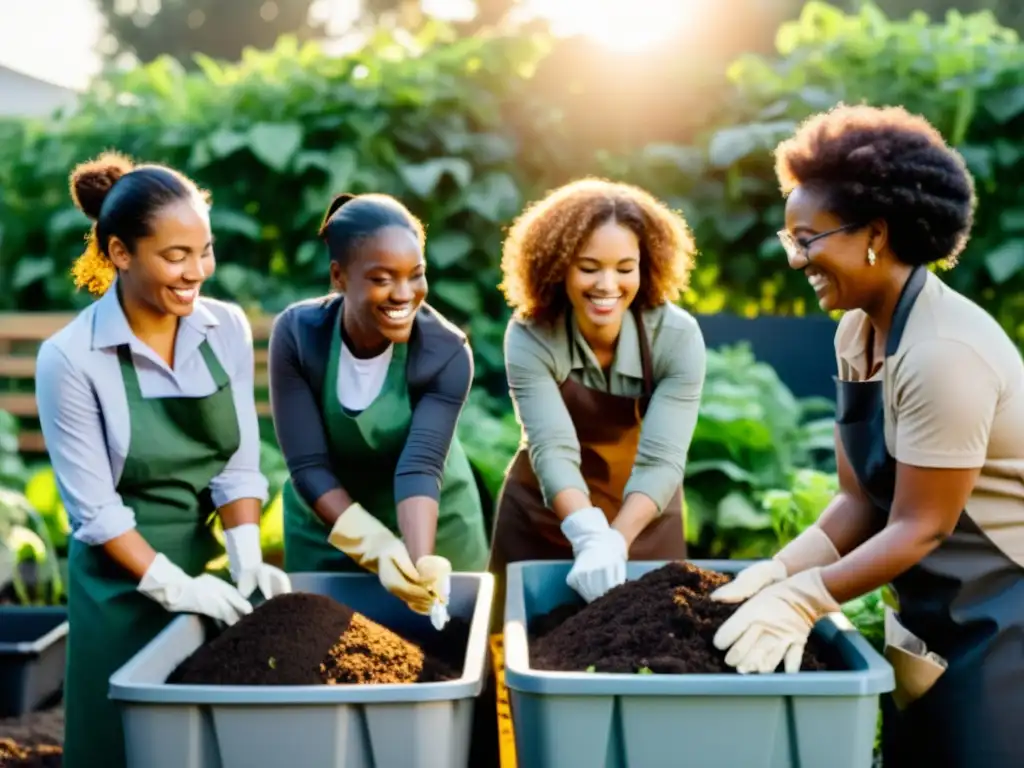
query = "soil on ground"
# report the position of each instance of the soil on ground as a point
(307, 639)
(662, 623)
(33, 740)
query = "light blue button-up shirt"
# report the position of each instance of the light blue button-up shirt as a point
(83, 408)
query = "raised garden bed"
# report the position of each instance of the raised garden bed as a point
(284, 695)
(632, 680)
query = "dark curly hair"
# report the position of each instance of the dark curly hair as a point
(885, 163)
(546, 237)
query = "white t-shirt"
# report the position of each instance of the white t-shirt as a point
(360, 380)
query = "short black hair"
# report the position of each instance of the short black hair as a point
(885, 163)
(121, 198)
(351, 219)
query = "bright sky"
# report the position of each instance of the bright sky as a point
(55, 39)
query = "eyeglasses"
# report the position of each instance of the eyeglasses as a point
(799, 249)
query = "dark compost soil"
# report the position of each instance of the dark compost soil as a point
(663, 623)
(307, 639)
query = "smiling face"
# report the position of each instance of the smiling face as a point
(604, 278)
(384, 285)
(168, 267)
(836, 264)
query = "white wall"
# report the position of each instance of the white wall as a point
(25, 96)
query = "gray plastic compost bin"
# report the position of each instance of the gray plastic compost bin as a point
(805, 720)
(418, 725)
(33, 642)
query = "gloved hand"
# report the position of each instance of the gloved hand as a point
(437, 572)
(599, 553)
(811, 548)
(245, 561)
(366, 540)
(175, 590)
(774, 624)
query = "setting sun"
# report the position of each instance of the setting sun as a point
(623, 25)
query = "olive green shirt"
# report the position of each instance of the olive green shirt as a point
(539, 358)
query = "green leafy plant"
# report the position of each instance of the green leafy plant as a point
(752, 435)
(34, 570)
(489, 433)
(12, 467)
(42, 493)
(797, 507)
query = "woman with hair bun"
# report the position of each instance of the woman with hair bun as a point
(146, 405)
(367, 384)
(929, 446)
(606, 373)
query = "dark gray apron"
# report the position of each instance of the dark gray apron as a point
(965, 600)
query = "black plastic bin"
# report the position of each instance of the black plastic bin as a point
(33, 641)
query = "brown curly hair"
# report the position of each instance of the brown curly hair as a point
(885, 163)
(547, 236)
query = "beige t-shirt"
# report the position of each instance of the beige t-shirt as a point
(954, 398)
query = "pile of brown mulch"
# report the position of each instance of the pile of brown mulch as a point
(663, 623)
(306, 639)
(33, 740)
(15, 754)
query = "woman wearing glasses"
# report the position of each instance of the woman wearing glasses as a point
(929, 445)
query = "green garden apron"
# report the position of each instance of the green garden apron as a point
(178, 445)
(365, 449)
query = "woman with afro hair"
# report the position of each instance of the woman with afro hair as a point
(605, 373)
(929, 446)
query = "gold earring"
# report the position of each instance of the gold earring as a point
(871, 256)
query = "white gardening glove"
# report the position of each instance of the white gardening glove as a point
(245, 561)
(175, 590)
(599, 552)
(812, 548)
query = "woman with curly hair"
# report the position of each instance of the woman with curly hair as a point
(605, 373)
(146, 403)
(930, 445)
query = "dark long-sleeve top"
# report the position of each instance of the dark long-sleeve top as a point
(439, 371)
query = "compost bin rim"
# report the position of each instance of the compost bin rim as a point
(44, 641)
(122, 688)
(874, 677)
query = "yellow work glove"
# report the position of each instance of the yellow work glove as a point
(368, 541)
(812, 548)
(774, 624)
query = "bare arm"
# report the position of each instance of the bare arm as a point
(946, 398)
(240, 511)
(637, 512)
(925, 511)
(420, 471)
(131, 552)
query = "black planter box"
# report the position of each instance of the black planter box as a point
(33, 641)
(800, 349)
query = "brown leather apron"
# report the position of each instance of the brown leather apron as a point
(608, 430)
